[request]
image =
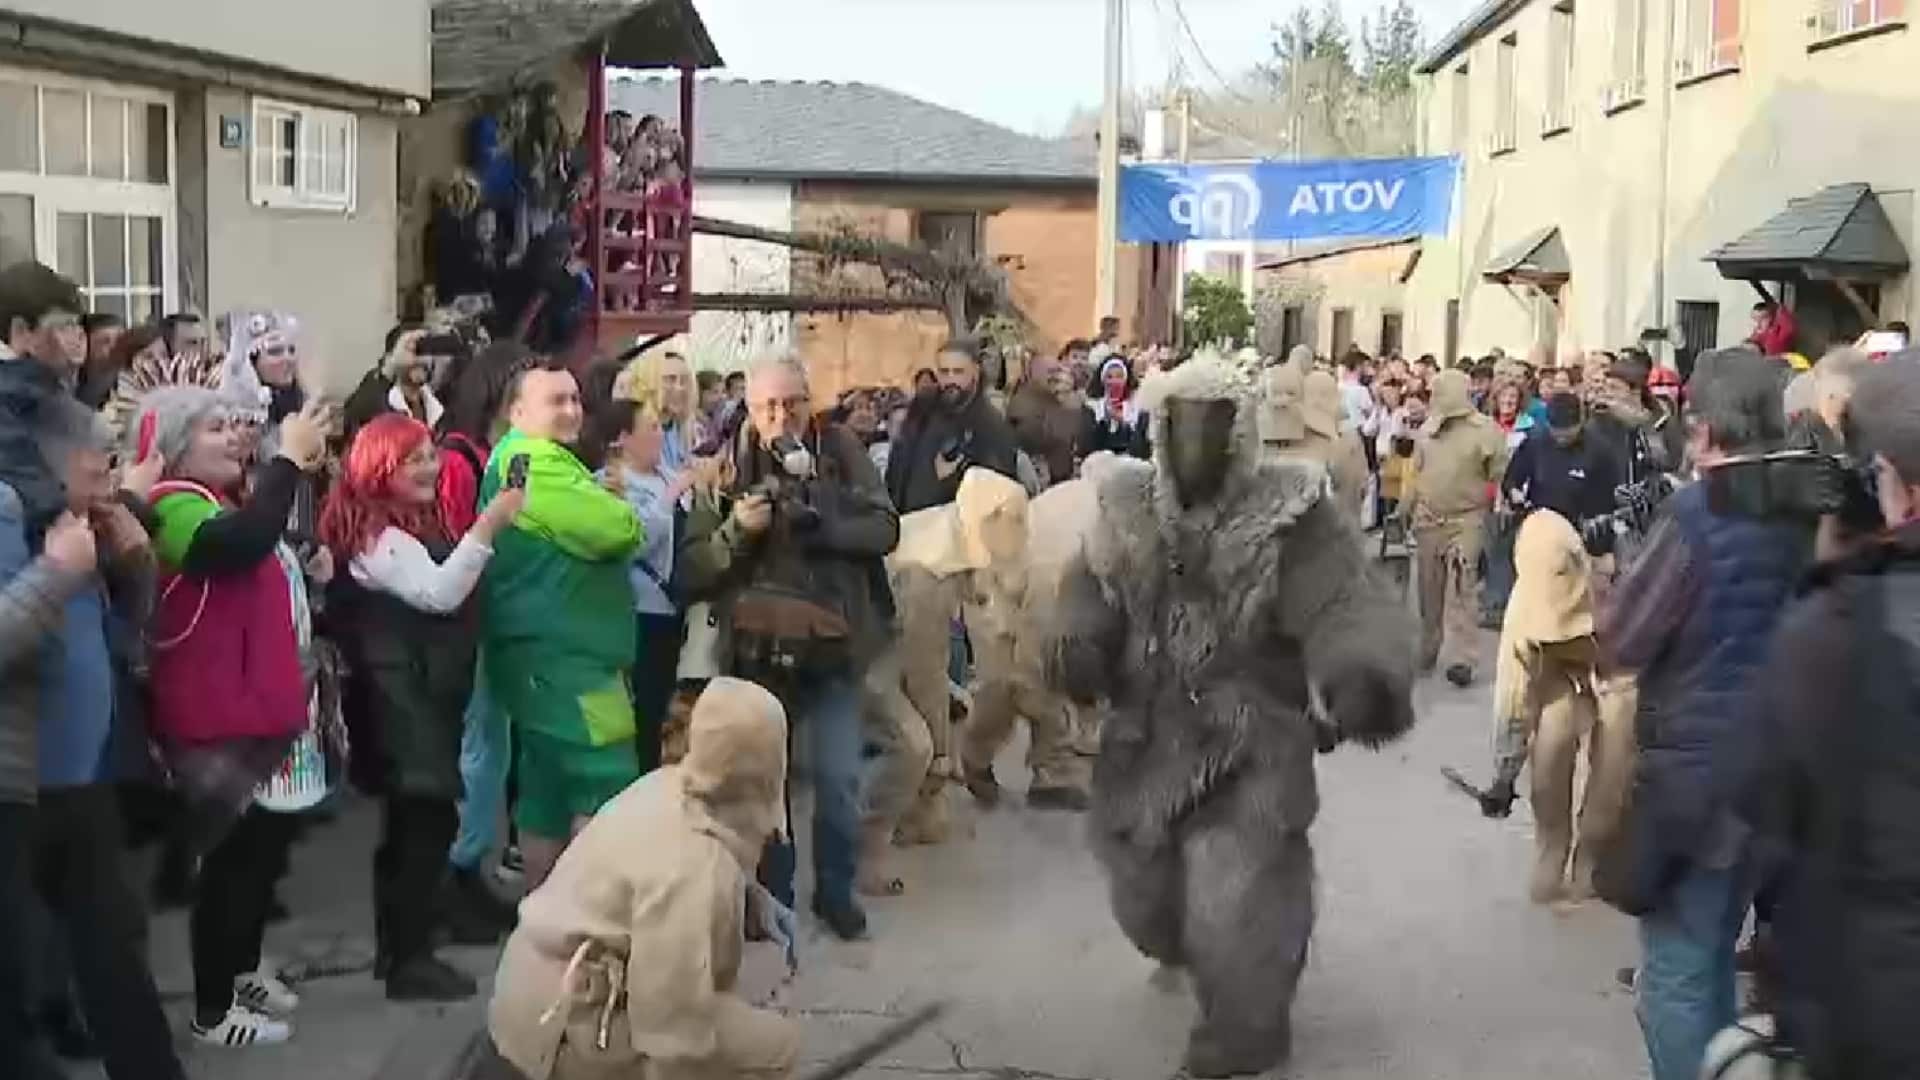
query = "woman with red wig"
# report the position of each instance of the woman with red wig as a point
(407, 615)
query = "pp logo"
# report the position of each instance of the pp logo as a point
(1220, 205)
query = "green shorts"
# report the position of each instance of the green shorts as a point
(562, 780)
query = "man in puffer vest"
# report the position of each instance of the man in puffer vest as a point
(1547, 700)
(1693, 616)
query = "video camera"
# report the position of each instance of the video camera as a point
(1802, 485)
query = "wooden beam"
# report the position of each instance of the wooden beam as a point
(804, 304)
(1867, 314)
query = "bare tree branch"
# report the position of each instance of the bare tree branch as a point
(789, 302)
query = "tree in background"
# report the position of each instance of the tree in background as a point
(1327, 90)
(1215, 313)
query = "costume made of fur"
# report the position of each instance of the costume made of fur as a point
(1226, 613)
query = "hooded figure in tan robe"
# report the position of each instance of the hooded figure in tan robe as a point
(963, 559)
(623, 965)
(1549, 698)
(1300, 412)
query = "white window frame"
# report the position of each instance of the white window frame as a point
(1627, 69)
(1504, 138)
(312, 125)
(1697, 43)
(54, 195)
(1558, 114)
(1833, 19)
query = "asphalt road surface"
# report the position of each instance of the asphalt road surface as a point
(1428, 961)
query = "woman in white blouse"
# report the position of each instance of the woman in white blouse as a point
(408, 625)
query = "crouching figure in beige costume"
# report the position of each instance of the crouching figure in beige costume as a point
(623, 965)
(1549, 696)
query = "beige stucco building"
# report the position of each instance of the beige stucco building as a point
(203, 155)
(1609, 147)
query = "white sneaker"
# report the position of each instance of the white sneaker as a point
(264, 993)
(244, 1027)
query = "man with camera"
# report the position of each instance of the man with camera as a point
(962, 430)
(1693, 615)
(1834, 797)
(791, 555)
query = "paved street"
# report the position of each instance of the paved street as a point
(1428, 960)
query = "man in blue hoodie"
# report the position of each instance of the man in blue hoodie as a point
(60, 527)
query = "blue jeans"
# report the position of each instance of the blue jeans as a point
(829, 717)
(1497, 582)
(485, 755)
(1686, 982)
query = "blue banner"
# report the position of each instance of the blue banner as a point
(1285, 200)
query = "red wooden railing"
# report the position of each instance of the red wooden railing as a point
(641, 251)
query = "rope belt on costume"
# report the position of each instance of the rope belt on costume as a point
(591, 958)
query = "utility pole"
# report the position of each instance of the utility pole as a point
(1107, 296)
(1186, 125)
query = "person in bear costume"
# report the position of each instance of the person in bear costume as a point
(1225, 614)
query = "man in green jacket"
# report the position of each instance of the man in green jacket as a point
(559, 621)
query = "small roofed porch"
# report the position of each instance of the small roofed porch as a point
(527, 199)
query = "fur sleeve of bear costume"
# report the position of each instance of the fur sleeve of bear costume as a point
(1356, 632)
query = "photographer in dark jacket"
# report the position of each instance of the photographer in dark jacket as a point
(1694, 616)
(791, 555)
(1564, 469)
(1835, 795)
(937, 445)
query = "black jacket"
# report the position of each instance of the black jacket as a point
(840, 554)
(1575, 482)
(1835, 802)
(976, 432)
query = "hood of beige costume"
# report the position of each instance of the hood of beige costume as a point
(1320, 404)
(1552, 597)
(736, 763)
(1282, 412)
(1452, 397)
(984, 528)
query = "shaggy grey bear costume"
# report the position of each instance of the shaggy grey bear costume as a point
(1208, 623)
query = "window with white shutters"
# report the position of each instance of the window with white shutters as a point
(303, 156)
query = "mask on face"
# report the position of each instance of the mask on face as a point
(1199, 447)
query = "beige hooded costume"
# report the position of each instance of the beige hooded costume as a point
(1548, 697)
(1300, 412)
(624, 962)
(1458, 459)
(960, 559)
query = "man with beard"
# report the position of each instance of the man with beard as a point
(1219, 597)
(963, 429)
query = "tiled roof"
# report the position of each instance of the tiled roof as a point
(828, 130)
(480, 44)
(1842, 227)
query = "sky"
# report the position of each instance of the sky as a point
(1026, 64)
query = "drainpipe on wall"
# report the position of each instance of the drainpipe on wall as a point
(1665, 344)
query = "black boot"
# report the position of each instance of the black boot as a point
(845, 918)
(983, 786)
(66, 1030)
(1061, 797)
(426, 977)
(467, 890)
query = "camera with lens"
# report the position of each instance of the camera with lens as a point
(1802, 485)
(786, 487)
